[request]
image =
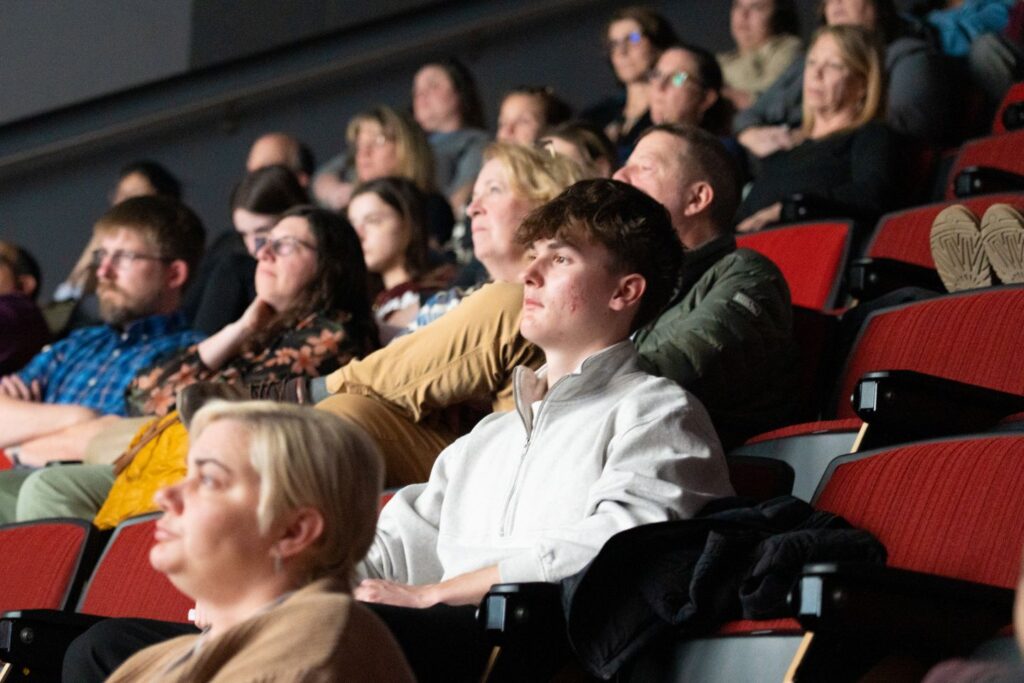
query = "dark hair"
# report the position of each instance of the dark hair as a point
(270, 190)
(588, 138)
(718, 118)
(471, 110)
(710, 160)
(171, 227)
(655, 27)
(635, 229)
(554, 109)
(340, 281)
(307, 161)
(785, 19)
(22, 263)
(162, 180)
(888, 24)
(402, 195)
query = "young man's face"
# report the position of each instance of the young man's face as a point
(569, 298)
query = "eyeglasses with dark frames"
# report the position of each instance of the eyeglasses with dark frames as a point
(282, 246)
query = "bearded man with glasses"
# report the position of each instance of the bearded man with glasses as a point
(148, 247)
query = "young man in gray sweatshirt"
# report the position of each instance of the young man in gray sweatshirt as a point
(595, 445)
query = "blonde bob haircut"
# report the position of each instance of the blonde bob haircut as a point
(862, 55)
(415, 158)
(309, 458)
(535, 174)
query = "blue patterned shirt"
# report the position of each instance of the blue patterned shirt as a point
(93, 366)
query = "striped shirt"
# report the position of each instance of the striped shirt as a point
(93, 366)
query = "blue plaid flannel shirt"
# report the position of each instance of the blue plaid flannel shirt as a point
(93, 366)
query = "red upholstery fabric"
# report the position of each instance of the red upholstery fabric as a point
(5, 462)
(125, 585)
(749, 627)
(846, 425)
(810, 255)
(1014, 94)
(904, 235)
(996, 151)
(950, 508)
(38, 563)
(975, 337)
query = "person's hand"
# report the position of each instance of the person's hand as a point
(761, 141)
(12, 386)
(764, 217)
(332, 192)
(256, 316)
(398, 594)
(741, 99)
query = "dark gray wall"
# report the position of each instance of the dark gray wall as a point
(56, 171)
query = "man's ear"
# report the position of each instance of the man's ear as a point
(629, 292)
(27, 284)
(303, 528)
(177, 274)
(699, 196)
(710, 97)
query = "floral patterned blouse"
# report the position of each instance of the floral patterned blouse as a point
(317, 345)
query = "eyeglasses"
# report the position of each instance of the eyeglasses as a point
(122, 260)
(282, 246)
(632, 38)
(676, 80)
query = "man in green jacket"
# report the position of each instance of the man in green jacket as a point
(727, 335)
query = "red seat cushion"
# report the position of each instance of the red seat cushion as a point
(996, 151)
(751, 627)
(821, 427)
(1014, 94)
(904, 236)
(125, 585)
(810, 256)
(38, 564)
(952, 508)
(975, 338)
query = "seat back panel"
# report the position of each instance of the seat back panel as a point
(952, 508)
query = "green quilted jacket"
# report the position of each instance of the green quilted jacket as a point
(728, 339)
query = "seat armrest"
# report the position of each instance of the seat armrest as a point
(976, 180)
(36, 639)
(904, 405)
(1013, 116)
(870, 278)
(512, 611)
(526, 621)
(916, 612)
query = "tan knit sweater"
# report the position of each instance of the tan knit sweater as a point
(315, 635)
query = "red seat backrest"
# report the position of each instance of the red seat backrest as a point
(39, 561)
(1005, 152)
(125, 585)
(952, 508)
(975, 337)
(811, 257)
(1013, 95)
(905, 235)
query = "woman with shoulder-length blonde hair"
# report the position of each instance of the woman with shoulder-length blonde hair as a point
(846, 165)
(383, 142)
(279, 504)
